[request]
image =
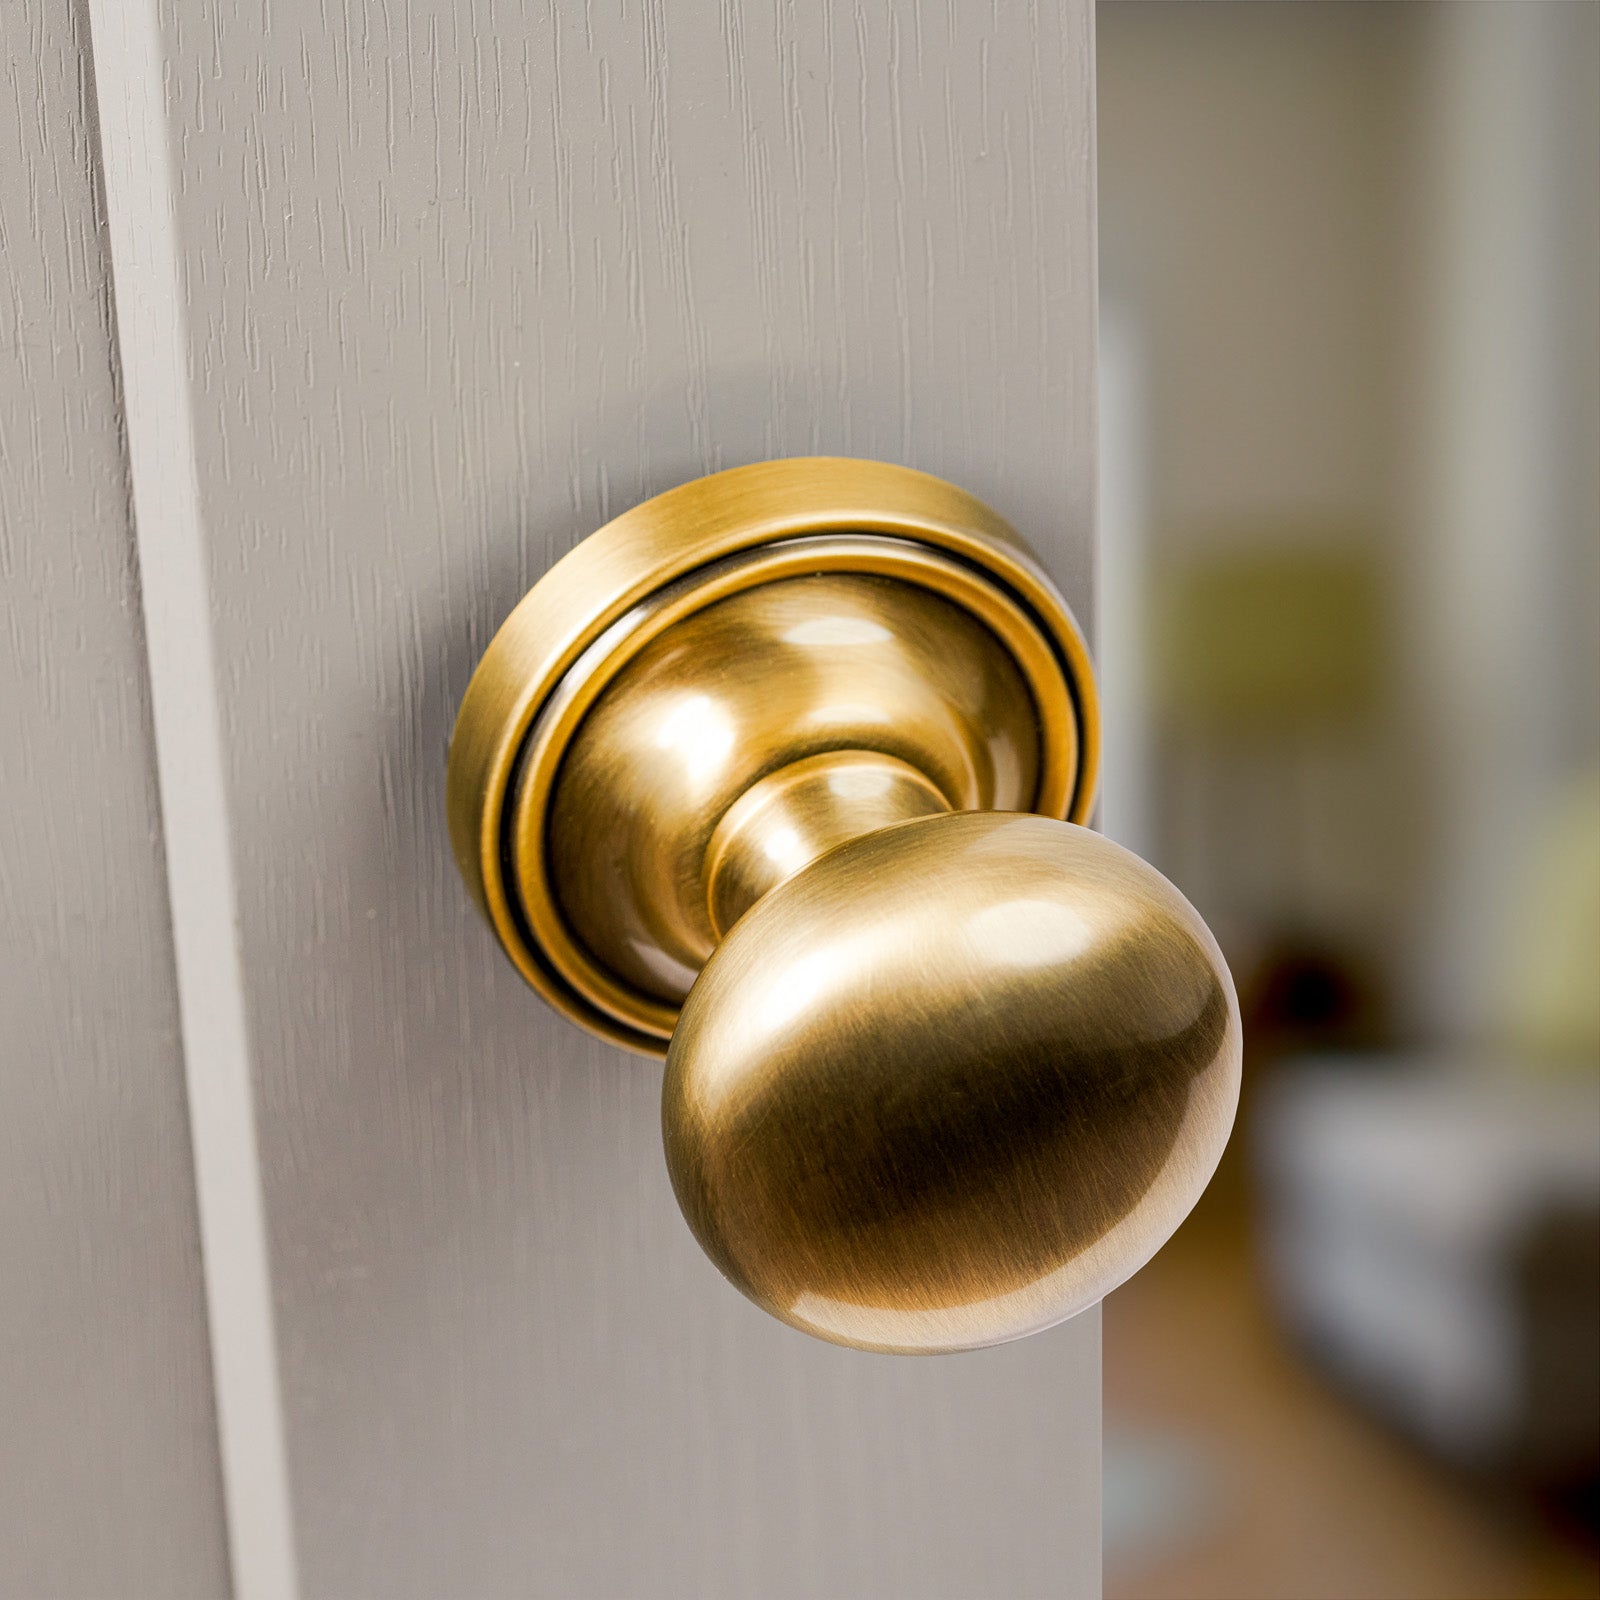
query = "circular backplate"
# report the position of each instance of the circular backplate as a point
(711, 637)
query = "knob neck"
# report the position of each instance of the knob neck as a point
(787, 819)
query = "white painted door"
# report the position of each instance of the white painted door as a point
(406, 297)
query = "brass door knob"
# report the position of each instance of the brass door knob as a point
(781, 774)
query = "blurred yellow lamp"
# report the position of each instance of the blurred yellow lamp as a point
(1270, 640)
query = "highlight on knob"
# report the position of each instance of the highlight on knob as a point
(951, 1083)
(783, 775)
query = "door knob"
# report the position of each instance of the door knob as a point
(782, 774)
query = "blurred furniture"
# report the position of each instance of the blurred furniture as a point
(1433, 1222)
(1432, 1233)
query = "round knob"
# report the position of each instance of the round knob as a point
(951, 1083)
(768, 775)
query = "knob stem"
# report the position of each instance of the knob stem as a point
(787, 819)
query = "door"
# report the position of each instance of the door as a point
(408, 299)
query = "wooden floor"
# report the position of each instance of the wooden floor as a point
(1251, 1480)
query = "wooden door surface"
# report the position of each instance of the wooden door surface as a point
(109, 1475)
(406, 297)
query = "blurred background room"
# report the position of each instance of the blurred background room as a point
(1350, 279)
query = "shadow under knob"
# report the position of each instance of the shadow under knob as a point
(951, 1083)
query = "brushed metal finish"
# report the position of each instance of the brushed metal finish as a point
(943, 1068)
(951, 1083)
(794, 815)
(758, 681)
(725, 629)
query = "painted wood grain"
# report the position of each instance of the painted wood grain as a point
(138, 182)
(109, 1479)
(465, 279)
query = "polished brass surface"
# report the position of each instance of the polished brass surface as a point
(951, 1083)
(625, 594)
(774, 767)
(611, 851)
(788, 819)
